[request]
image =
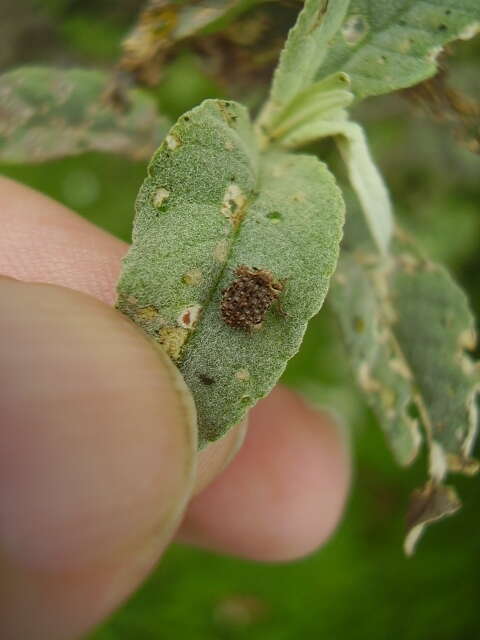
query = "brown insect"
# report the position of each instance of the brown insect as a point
(246, 301)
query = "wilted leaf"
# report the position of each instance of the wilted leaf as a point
(428, 504)
(163, 23)
(210, 203)
(386, 45)
(407, 325)
(48, 113)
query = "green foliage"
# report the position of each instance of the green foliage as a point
(406, 325)
(209, 205)
(359, 586)
(304, 52)
(404, 320)
(357, 297)
(386, 45)
(49, 113)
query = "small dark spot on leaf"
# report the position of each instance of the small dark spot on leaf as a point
(413, 411)
(206, 379)
(186, 118)
(232, 178)
(448, 12)
(442, 27)
(274, 216)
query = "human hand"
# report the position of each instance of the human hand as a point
(97, 455)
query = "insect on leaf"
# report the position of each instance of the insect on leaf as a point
(385, 45)
(48, 113)
(210, 205)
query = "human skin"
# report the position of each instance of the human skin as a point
(98, 464)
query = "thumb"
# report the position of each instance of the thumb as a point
(97, 451)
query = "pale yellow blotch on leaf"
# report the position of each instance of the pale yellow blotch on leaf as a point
(233, 203)
(172, 340)
(193, 277)
(160, 196)
(242, 375)
(172, 141)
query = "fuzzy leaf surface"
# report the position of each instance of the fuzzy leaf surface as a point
(303, 54)
(377, 361)
(407, 326)
(385, 45)
(211, 203)
(48, 113)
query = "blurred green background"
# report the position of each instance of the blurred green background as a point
(360, 586)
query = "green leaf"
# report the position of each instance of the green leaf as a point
(364, 176)
(210, 203)
(385, 45)
(48, 113)
(407, 325)
(303, 54)
(434, 326)
(357, 297)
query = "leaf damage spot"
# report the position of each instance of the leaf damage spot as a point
(189, 316)
(400, 367)
(470, 31)
(192, 277)
(161, 195)
(438, 461)
(172, 340)
(233, 204)
(430, 503)
(433, 53)
(299, 196)
(225, 109)
(221, 251)
(354, 29)
(172, 141)
(242, 375)
(146, 314)
(365, 380)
